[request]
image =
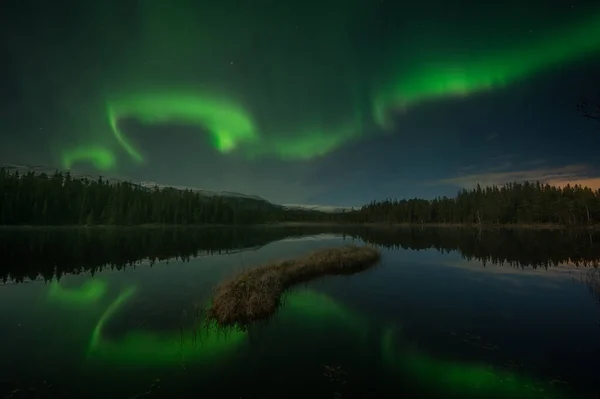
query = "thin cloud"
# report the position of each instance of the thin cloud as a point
(503, 166)
(534, 162)
(467, 168)
(560, 176)
(491, 136)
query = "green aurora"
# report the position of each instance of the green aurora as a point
(283, 104)
(482, 72)
(206, 344)
(228, 124)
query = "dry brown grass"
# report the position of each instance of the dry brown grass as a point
(255, 294)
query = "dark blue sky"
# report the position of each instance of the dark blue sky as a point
(307, 74)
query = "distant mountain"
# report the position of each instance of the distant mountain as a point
(318, 208)
(236, 199)
(202, 191)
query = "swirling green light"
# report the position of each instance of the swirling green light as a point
(306, 144)
(463, 379)
(228, 124)
(102, 158)
(475, 73)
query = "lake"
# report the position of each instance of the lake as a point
(447, 313)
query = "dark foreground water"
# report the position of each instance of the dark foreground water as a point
(446, 314)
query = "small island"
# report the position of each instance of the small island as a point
(255, 294)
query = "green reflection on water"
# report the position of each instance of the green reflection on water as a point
(144, 348)
(462, 378)
(203, 342)
(90, 292)
(200, 343)
(206, 343)
(314, 308)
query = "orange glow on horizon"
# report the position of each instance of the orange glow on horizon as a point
(591, 182)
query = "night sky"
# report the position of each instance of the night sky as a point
(334, 102)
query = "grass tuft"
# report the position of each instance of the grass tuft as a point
(255, 294)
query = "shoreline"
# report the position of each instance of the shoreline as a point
(540, 226)
(543, 226)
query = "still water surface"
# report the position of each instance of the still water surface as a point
(446, 314)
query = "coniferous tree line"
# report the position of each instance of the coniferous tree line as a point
(514, 203)
(60, 199)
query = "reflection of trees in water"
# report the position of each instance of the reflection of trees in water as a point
(29, 253)
(517, 248)
(521, 248)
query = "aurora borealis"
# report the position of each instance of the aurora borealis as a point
(409, 99)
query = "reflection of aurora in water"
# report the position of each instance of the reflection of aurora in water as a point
(200, 343)
(205, 344)
(321, 308)
(144, 348)
(90, 292)
(460, 378)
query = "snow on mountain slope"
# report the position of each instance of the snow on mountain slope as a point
(319, 208)
(316, 237)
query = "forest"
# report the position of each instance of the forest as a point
(515, 203)
(60, 199)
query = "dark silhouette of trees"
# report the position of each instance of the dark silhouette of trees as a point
(515, 203)
(60, 199)
(39, 199)
(44, 200)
